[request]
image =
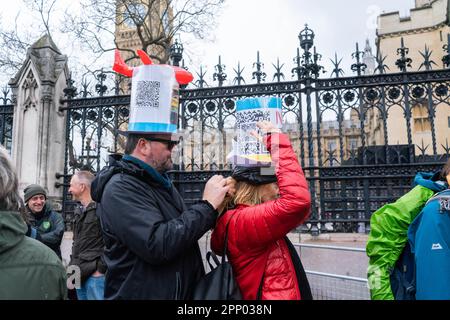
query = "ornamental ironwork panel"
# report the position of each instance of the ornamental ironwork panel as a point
(92, 131)
(6, 119)
(350, 194)
(360, 139)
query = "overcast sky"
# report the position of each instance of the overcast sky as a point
(272, 27)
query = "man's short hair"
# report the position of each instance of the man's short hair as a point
(85, 177)
(132, 141)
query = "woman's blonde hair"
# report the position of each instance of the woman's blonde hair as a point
(245, 194)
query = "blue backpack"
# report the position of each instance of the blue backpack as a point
(429, 237)
(403, 276)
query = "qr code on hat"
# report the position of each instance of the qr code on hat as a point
(147, 94)
(245, 123)
(250, 117)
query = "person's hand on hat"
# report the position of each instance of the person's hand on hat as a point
(231, 183)
(265, 127)
(215, 191)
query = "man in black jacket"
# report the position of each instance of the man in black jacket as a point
(88, 245)
(151, 237)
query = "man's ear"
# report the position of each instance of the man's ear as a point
(144, 147)
(140, 143)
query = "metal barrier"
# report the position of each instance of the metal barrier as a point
(330, 286)
(324, 286)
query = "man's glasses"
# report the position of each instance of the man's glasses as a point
(169, 143)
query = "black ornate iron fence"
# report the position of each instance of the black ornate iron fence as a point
(6, 119)
(359, 139)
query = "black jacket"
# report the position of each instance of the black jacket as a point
(88, 245)
(47, 227)
(151, 238)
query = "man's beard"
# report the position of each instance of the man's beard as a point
(164, 166)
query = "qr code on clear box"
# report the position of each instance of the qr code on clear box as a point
(147, 95)
(251, 117)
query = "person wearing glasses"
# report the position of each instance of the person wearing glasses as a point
(151, 237)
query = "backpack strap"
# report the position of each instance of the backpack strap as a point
(225, 245)
(411, 287)
(436, 195)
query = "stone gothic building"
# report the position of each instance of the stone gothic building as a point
(424, 32)
(153, 19)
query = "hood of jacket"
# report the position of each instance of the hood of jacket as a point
(128, 165)
(12, 230)
(431, 181)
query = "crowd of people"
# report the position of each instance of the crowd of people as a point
(134, 237)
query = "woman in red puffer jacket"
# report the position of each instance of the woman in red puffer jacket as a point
(264, 261)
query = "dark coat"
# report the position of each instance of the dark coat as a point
(29, 270)
(151, 238)
(88, 244)
(47, 227)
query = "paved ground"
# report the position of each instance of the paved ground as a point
(66, 247)
(346, 263)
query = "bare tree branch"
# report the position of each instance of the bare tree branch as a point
(14, 43)
(13, 47)
(154, 23)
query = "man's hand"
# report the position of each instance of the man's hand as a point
(215, 190)
(229, 196)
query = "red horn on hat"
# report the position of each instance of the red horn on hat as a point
(120, 66)
(183, 76)
(144, 57)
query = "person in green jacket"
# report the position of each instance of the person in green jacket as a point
(29, 270)
(389, 227)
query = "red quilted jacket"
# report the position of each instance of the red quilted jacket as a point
(255, 234)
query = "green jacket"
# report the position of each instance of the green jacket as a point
(388, 233)
(29, 270)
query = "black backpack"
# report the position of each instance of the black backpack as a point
(219, 283)
(403, 276)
